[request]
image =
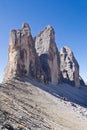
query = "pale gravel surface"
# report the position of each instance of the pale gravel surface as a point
(40, 107)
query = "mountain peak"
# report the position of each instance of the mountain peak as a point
(39, 58)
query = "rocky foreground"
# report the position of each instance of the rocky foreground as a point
(42, 107)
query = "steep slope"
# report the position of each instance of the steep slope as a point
(40, 107)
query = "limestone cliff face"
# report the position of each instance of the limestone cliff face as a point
(69, 67)
(22, 56)
(48, 53)
(39, 58)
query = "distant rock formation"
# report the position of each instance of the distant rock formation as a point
(40, 59)
(69, 67)
(22, 57)
(48, 53)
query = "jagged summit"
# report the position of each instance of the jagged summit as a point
(66, 49)
(44, 39)
(25, 25)
(49, 30)
(69, 66)
(48, 53)
(49, 27)
(22, 55)
(39, 58)
(26, 28)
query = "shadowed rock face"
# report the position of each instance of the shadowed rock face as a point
(48, 53)
(22, 56)
(81, 81)
(69, 67)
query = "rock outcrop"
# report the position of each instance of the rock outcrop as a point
(39, 58)
(48, 53)
(22, 57)
(69, 67)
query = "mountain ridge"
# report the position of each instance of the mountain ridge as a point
(40, 58)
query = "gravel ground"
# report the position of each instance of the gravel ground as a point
(41, 107)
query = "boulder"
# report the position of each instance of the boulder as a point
(48, 53)
(69, 67)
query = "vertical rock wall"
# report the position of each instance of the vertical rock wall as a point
(22, 55)
(69, 67)
(49, 57)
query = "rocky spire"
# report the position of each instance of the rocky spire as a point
(49, 56)
(69, 67)
(22, 55)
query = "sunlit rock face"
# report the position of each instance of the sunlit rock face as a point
(69, 67)
(22, 55)
(48, 53)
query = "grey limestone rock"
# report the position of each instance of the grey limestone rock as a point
(69, 67)
(48, 53)
(39, 58)
(22, 57)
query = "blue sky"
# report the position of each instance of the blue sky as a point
(68, 17)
